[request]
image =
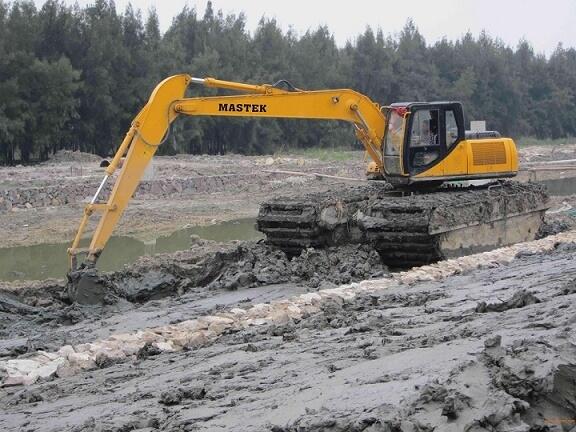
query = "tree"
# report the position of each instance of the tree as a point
(75, 77)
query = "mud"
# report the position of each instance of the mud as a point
(401, 354)
(217, 266)
(199, 277)
(184, 190)
(275, 350)
(518, 300)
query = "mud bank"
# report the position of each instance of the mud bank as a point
(170, 288)
(66, 182)
(214, 266)
(412, 352)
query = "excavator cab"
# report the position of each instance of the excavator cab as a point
(427, 143)
(420, 135)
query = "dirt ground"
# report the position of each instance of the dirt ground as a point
(161, 214)
(236, 336)
(490, 349)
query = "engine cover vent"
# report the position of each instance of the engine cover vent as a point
(488, 153)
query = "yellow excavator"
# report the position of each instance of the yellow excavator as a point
(412, 214)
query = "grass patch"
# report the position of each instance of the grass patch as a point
(532, 141)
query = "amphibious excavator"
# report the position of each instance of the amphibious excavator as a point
(414, 211)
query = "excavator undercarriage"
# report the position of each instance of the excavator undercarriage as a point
(407, 228)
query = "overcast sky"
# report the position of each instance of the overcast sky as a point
(543, 23)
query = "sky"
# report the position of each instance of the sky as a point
(543, 23)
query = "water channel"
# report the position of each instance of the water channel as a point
(49, 260)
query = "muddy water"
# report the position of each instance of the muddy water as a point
(560, 187)
(50, 260)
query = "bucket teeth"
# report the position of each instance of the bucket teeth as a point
(406, 230)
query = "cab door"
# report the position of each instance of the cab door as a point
(435, 146)
(424, 145)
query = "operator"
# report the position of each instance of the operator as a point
(427, 138)
(425, 146)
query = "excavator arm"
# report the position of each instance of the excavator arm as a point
(151, 126)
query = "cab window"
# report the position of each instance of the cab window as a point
(424, 143)
(395, 134)
(451, 129)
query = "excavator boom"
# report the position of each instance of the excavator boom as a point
(151, 126)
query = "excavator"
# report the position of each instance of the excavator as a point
(416, 209)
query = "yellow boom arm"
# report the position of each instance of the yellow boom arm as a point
(150, 128)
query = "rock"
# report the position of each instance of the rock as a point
(166, 346)
(130, 348)
(280, 317)
(259, 310)
(212, 319)
(238, 312)
(175, 397)
(310, 298)
(191, 325)
(21, 366)
(193, 340)
(520, 299)
(150, 336)
(104, 359)
(148, 350)
(81, 361)
(493, 342)
(17, 380)
(218, 328)
(48, 370)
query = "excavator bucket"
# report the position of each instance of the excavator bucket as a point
(85, 286)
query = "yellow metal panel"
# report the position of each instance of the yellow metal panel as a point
(488, 153)
(455, 163)
(490, 156)
(477, 158)
(151, 125)
(340, 104)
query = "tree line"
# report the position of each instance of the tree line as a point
(73, 77)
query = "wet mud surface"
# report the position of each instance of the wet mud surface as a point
(165, 288)
(214, 266)
(488, 350)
